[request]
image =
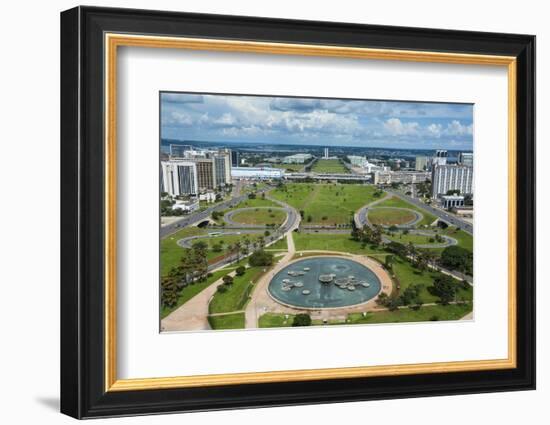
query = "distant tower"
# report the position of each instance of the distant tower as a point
(326, 153)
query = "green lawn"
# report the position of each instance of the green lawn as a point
(256, 202)
(325, 203)
(424, 314)
(400, 203)
(191, 290)
(388, 216)
(280, 244)
(289, 167)
(403, 315)
(330, 242)
(236, 296)
(333, 166)
(274, 320)
(227, 321)
(407, 275)
(465, 240)
(170, 251)
(260, 216)
(413, 238)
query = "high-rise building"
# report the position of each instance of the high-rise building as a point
(421, 163)
(178, 151)
(235, 158)
(466, 158)
(205, 173)
(222, 168)
(179, 178)
(440, 157)
(452, 177)
(326, 153)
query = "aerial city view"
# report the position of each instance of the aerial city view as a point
(283, 212)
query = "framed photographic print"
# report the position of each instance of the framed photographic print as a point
(261, 212)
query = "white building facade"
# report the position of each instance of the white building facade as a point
(452, 177)
(179, 178)
(256, 173)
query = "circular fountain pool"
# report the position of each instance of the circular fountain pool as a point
(324, 282)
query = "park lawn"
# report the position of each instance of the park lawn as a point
(275, 320)
(333, 166)
(227, 321)
(256, 202)
(388, 216)
(412, 238)
(260, 216)
(236, 296)
(191, 290)
(394, 201)
(424, 314)
(330, 242)
(254, 187)
(465, 240)
(407, 275)
(325, 203)
(170, 251)
(281, 244)
(289, 167)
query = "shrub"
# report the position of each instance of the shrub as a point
(302, 320)
(228, 280)
(240, 271)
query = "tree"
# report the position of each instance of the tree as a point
(445, 288)
(240, 270)
(169, 291)
(457, 258)
(309, 218)
(217, 247)
(302, 214)
(252, 195)
(227, 280)
(301, 319)
(388, 262)
(260, 258)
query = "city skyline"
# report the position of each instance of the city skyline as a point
(316, 121)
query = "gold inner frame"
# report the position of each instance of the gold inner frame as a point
(113, 41)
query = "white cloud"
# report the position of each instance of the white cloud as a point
(397, 128)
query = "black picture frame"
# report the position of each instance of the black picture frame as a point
(83, 392)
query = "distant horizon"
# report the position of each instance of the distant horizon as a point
(249, 119)
(310, 146)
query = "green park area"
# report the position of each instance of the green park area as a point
(330, 166)
(331, 242)
(227, 321)
(325, 203)
(396, 202)
(234, 296)
(260, 216)
(390, 216)
(293, 168)
(190, 291)
(401, 315)
(406, 238)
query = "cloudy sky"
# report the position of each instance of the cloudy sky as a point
(257, 119)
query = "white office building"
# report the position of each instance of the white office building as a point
(440, 158)
(299, 158)
(179, 178)
(405, 177)
(256, 173)
(421, 163)
(452, 177)
(466, 158)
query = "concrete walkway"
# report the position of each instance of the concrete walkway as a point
(192, 315)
